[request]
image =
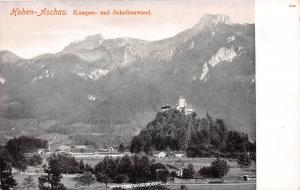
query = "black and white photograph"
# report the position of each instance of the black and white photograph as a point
(128, 94)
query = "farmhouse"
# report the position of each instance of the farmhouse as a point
(160, 155)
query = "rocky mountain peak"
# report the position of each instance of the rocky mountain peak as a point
(208, 21)
(89, 43)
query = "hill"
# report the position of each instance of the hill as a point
(175, 130)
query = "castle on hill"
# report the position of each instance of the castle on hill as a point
(181, 106)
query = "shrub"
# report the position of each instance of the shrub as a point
(183, 187)
(253, 156)
(217, 169)
(86, 178)
(35, 160)
(187, 173)
(207, 172)
(163, 175)
(195, 151)
(173, 174)
(190, 166)
(220, 167)
(244, 161)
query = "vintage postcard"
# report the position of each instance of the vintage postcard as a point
(128, 94)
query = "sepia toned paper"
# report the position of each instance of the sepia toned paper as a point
(182, 84)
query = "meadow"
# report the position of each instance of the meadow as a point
(233, 181)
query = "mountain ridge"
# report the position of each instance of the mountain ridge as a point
(130, 79)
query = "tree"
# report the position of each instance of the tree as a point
(126, 165)
(121, 148)
(142, 171)
(89, 168)
(136, 145)
(154, 168)
(25, 144)
(253, 156)
(163, 175)
(148, 149)
(81, 167)
(188, 173)
(103, 178)
(53, 175)
(244, 160)
(28, 183)
(20, 162)
(183, 187)
(121, 178)
(236, 141)
(207, 172)
(7, 180)
(194, 151)
(35, 160)
(190, 166)
(173, 174)
(16, 148)
(68, 163)
(221, 167)
(106, 170)
(108, 167)
(86, 178)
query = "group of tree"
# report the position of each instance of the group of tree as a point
(133, 169)
(217, 169)
(244, 160)
(25, 144)
(69, 165)
(28, 183)
(34, 160)
(7, 180)
(85, 179)
(53, 175)
(17, 147)
(198, 137)
(12, 155)
(59, 164)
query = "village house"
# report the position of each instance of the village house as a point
(160, 155)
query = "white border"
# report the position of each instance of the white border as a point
(278, 95)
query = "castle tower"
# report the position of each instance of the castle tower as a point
(181, 102)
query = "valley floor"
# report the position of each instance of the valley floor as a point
(233, 181)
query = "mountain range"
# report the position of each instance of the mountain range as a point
(122, 83)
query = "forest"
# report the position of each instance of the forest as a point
(203, 137)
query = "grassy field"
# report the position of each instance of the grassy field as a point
(234, 176)
(244, 186)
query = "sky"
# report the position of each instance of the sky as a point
(29, 36)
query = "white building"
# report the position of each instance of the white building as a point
(182, 105)
(160, 155)
(42, 151)
(179, 155)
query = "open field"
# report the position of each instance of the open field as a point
(237, 186)
(233, 181)
(70, 184)
(235, 174)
